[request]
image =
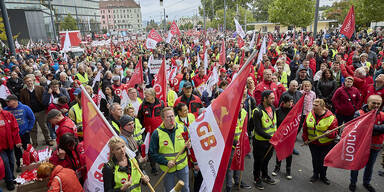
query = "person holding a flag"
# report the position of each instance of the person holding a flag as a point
(374, 103)
(166, 143)
(317, 122)
(264, 122)
(120, 174)
(192, 101)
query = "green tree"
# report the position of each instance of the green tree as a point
(3, 35)
(338, 11)
(260, 10)
(69, 23)
(212, 6)
(299, 13)
(151, 25)
(231, 13)
(367, 11)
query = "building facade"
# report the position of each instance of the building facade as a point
(120, 15)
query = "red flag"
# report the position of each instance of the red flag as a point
(2, 169)
(96, 150)
(160, 84)
(174, 29)
(212, 132)
(153, 38)
(243, 147)
(348, 26)
(302, 38)
(284, 139)
(242, 58)
(270, 40)
(240, 42)
(137, 76)
(222, 54)
(352, 151)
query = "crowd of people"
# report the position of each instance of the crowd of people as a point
(339, 79)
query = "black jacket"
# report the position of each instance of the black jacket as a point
(257, 115)
(325, 89)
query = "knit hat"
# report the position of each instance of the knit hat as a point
(125, 119)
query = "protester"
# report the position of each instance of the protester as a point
(60, 179)
(120, 173)
(374, 103)
(183, 116)
(317, 122)
(63, 123)
(166, 142)
(138, 131)
(192, 101)
(75, 113)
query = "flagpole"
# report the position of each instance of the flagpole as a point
(323, 135)
(112, 131)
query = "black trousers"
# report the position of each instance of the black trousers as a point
(288, 162)
(25, 140)
(318, 153)
(260, 164)
(198, 181)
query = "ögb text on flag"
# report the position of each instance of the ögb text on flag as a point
(352, 151)
(284, 139)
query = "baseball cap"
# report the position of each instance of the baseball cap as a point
(187, 85)
(11, 97)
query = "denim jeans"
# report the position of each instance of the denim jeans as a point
(368, 168)
(235, 174)
(9, 164)
(182, 174)
(52, 131)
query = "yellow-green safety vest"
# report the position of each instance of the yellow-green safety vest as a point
(284, 79)
(239, 124)
(171, 97)
(169, 149)
(137, 132)
(116, 126)
(83, 79)
(320, 128)
(191, 119)
(78, 119)
(269, 125)
(122, 177)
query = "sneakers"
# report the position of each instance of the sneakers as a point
(295, 152)
(313, 179)
(288, 175)
(269, 180)
(10, 186)
(243, 185)
(259, 184)
(276, 171)
(352, 187)
(325, 180)
(381, 173)
(369, 187)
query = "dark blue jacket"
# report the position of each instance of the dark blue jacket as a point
(24, 116)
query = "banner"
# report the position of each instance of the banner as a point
(137, 76)
(348, 27)
(4, 92)
(213, 131)
(152, 39)
(263, 50)
(352, 151)
(284, 139)
(160, 83)
(239, 29)
(222, 56)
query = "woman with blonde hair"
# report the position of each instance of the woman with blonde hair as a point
(120, 173)
(60, 179)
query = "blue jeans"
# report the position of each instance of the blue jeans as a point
(368, 168)
(9, 164)
(52, 131)
(182, 174)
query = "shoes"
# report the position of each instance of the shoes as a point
(154, 172)
(276, 171)
(50, 142)
(18, 169)
(295, 152)
(369, 187)
(10, 186)
(228, 189)
(352, 187)
(243, 185)
(325, 181)
(269, 180)
(288, 175)
(381, 173)
(313, 179)
(259, 184)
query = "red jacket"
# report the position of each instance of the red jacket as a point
(66, 125)
(9, 131)
(262, 86)
(68, 178)
(372, 91)
(76, 161)
(197, 80)
(377, 139)
(343, 104)
(194, 103)
(280, 90)
(149, 115)
(332, 126)
(312, 65)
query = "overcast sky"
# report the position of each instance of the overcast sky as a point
(175, 9)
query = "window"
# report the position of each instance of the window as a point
(102, 17)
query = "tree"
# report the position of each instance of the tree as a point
(260, 10)
(3, 35)
(69, 23)
(231, 13)
(338, 11)
(151, 25)
(298, 13)
(367, 11)
(212, 6)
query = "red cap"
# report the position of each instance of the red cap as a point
(6, 70)
(222, 70)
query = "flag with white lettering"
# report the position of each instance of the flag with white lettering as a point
(352, 151)
(284, 139)
(213, 131)
(348, 27)
(137, 76)
(239, 29)
(152, 39)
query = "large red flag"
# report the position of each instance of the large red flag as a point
(174, 29)
(284, 139)
(152, 40)
(352, 151)
(212, 132)
(96, 150)
(243, 147)
(137, 77)
(240, 42)
(160, 84)
(222, 56)
(348, 27)
(242, 58)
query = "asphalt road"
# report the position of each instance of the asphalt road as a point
(301, 172)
